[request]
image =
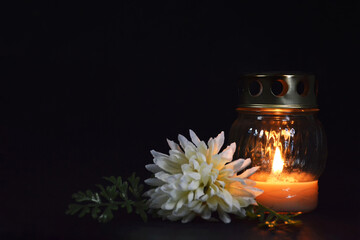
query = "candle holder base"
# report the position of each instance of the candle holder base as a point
(289, 197)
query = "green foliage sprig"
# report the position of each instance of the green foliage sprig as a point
(101, 204)
(128, 194)
(269, 218)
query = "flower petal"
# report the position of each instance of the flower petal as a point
(228, 152)
(184, 142)
(225, 173)
(153, 168)
(215, 145)
(149, 193)
(181, 212)
(194, 175)
(168, 215)
(204, 197)
(212, 203)
(202, 148)
(158, 201)
(238, 192)
(227, 197)
(180, 203)
(177, 156)
(194, 138)
(188, 218)
(190, 196)
(249, 182)
(246, 163)
(219, 141)
(195, 164)
(224, 216)
(169, 204)
(248, 172)
(158, 154)
(236, 205)
(199, 192)
(190, 151)
(154, 182)
(163, 176)
(206, 214)
(199, 208)
(235, 165)
(201, 157)
(193, 185)
(167, 165)
(238, 179)
(255, 191)
(173, 145)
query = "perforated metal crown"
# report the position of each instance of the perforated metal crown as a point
(277, 90)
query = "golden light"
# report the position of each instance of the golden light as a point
(277, 128)
(278, 162)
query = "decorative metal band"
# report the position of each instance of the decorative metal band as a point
(277, 90)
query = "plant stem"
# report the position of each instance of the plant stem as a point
(286, 218)
(103, 204)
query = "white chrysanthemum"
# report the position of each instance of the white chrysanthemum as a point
(195, 179)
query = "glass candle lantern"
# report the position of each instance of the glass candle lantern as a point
(277, 127)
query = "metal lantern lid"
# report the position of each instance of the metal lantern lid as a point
(278, 90)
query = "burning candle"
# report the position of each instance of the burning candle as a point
(284, 193)
(277, 127)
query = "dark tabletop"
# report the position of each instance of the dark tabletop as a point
(320, 224)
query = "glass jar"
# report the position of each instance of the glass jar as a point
(277, 127)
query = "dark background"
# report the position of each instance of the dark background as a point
(88, 89)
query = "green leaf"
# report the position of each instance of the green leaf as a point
(143, 215)
(128, 206)
(135, 188)
(108, 199)
(73, 208)
(89, 193)
(140, 209)
(118, 182)
(96, 198)
(133, 180)
(270, 218)
(250, 212)
(114, 207)
(80, 197)
(103, 192)
(140, 188)
(94, 212)
(102, 189)
(111, 192)
(111, 179)
(123, 190)
(84, 211)
(261, 216)
(106, 216)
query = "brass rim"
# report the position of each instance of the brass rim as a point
(277, 110)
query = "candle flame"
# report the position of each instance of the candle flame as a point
(278, 162)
